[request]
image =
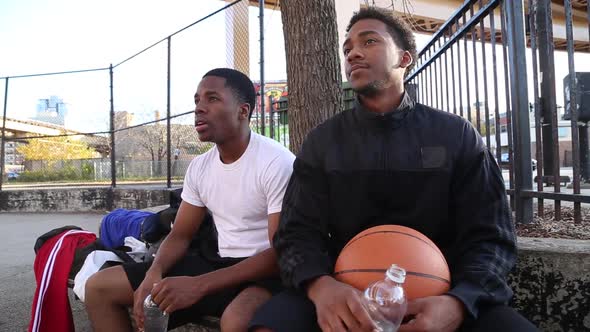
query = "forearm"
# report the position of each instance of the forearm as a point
(313, 286)
(260, 266)
(485, 249)
(480, 268)
(170, 251)
(301, 247)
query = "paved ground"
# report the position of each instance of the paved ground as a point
(18, 233)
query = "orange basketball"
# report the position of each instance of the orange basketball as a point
(369, 254)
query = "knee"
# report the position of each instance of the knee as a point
(94, 289)
(236, 317)
(107, 288)
(232, 321)
(260, 329)
(239, 325)
(104, 288)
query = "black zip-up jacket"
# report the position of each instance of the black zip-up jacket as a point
(415, 166)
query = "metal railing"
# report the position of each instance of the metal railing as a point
(477, 66)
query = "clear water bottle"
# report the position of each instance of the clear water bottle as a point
(155, 319)
(386, 300)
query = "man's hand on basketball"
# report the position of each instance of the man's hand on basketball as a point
(140, 294)
(435, 313)
(339, 306)
(174, 293)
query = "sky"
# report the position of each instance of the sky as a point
(40, 36)
(61, 35)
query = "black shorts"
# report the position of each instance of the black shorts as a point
(292, 311)
(194, 264)
(288, 311)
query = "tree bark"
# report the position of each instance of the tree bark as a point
(313, 65)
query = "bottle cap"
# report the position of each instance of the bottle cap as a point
(148, 303)
(396, 274)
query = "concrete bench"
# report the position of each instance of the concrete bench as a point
(207, 324)
(551, 281)
(548, 180)
(551, 284)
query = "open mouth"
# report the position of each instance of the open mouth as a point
(201, 125)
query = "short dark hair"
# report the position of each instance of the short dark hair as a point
(239, 83)
(399, 30)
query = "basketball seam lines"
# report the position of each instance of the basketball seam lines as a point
(398, 232)
(417, 274)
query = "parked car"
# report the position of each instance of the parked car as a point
(505, 162)
(12, 175)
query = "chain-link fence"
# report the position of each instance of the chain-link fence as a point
(68, 158)
(133, 121)
(53, 124)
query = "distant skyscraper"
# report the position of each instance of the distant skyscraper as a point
(52, 110)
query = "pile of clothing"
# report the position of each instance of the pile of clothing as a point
(68, 256)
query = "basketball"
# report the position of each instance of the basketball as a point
(367, 256)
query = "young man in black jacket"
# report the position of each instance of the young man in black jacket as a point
(393, 161)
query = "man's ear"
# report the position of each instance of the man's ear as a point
(406, 59)
(244, 111)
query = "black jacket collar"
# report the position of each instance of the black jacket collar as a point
(393, 118)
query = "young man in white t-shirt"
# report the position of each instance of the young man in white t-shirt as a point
(241, 182)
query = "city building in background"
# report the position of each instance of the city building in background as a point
(51, 110)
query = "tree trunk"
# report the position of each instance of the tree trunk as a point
(313, 65)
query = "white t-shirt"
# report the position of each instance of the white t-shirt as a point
(241, 195)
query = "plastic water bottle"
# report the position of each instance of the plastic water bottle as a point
(155, 319)
(386, 300)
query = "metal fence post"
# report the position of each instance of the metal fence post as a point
(113, 165)
(537, 104)
(520, 104)
(261, 19)
(574, 111)
(168, 140)
(548, 99)
(2, 149)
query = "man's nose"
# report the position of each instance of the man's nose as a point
(354, 53)
(199, 109)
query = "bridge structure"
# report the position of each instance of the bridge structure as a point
(18, 128)
(425, 16)
(19, 131)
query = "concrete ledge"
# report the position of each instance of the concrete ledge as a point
(80, 199)
(551, 283)
(140, 198)
(209, 324)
